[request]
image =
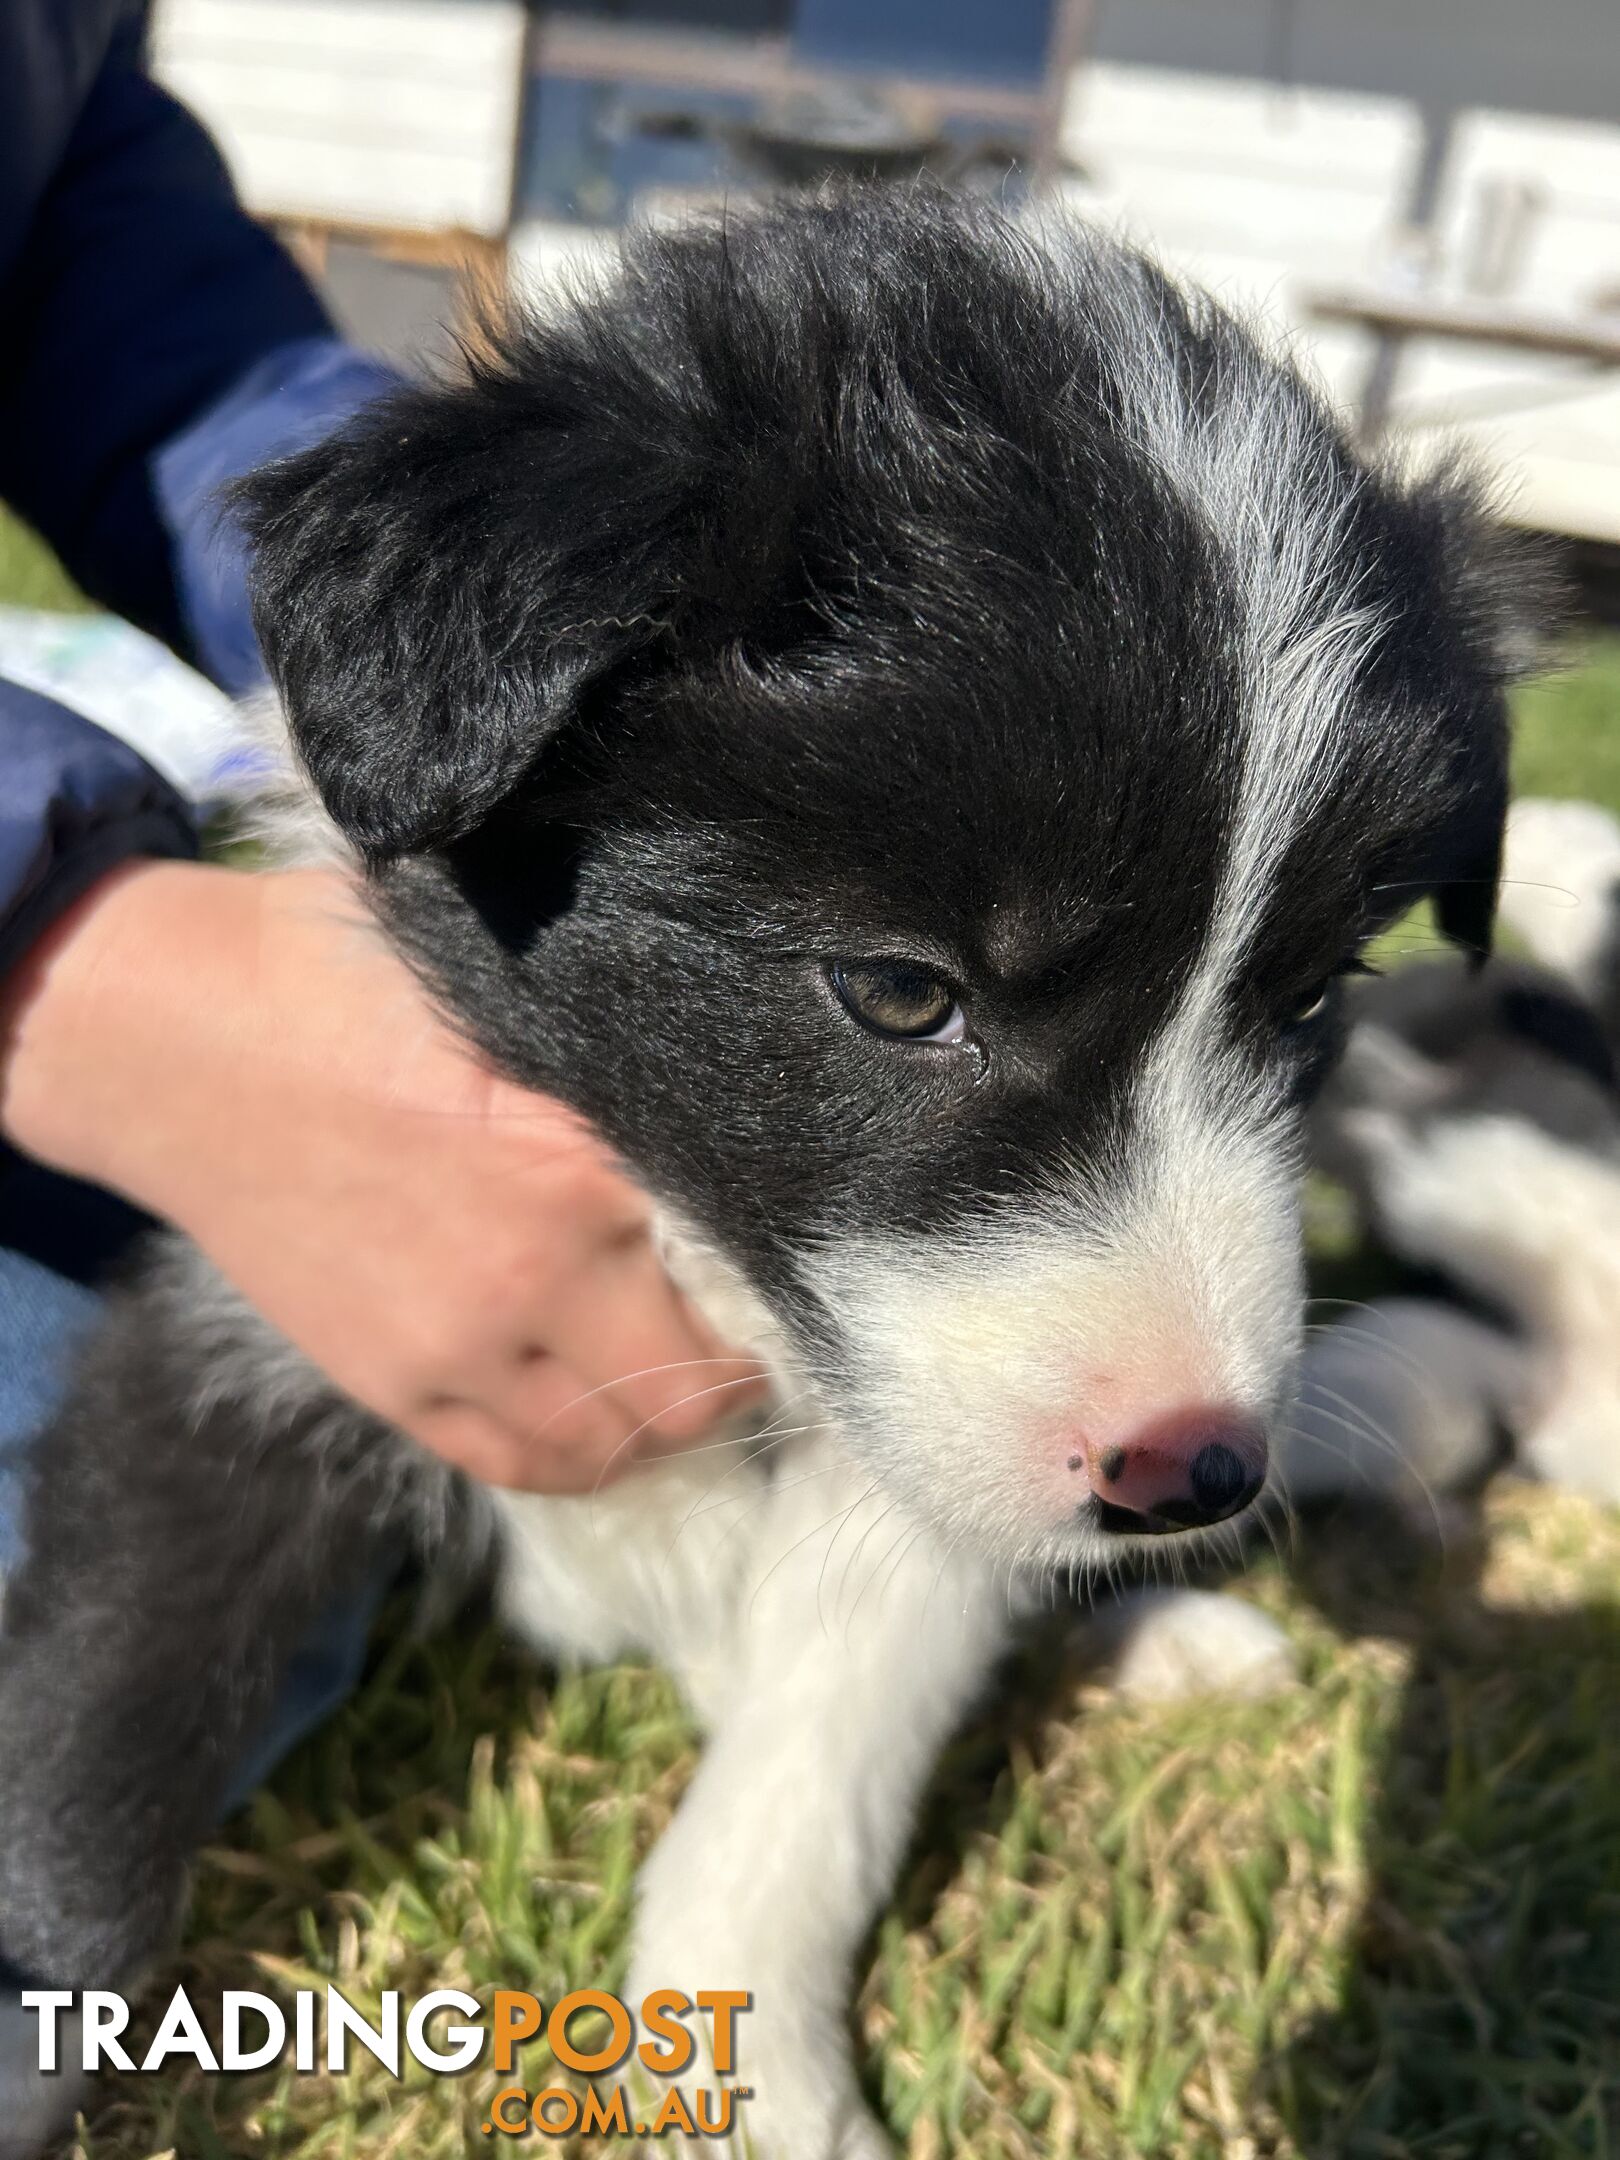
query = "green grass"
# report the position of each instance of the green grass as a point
(1567, 736)
(30, 576)
(1377, 1916)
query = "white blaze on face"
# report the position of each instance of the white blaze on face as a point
(1261, 478)
(983, 1358)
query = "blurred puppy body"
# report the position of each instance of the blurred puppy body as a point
(1478, 1119)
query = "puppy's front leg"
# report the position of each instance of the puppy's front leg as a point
(857, 1648)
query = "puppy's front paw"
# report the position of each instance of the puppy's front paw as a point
(1176, 1645)
(782, 2125)
(791, 2078)
(863, 2137)
(769, 2113)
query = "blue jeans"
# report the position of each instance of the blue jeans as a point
(58, 1242)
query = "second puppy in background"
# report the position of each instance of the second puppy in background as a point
(1477, 1119)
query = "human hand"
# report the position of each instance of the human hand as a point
(247, 1058)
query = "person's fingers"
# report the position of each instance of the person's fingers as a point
(546, 1430)
(625, 1327)
(722, 1384)
(469, 1439)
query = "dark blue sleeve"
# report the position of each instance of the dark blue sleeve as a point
(74, 801)
(142, 293)
(157, 344)
(284, 402)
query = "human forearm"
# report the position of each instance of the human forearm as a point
(95, 1021)
(244, 1056)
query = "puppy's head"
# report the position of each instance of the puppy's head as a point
(906, 724)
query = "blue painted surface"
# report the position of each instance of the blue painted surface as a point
(586, 153)
(1003, 42)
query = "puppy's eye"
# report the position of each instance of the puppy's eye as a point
(900, 998)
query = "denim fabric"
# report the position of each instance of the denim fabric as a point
(58, 1240)
(42, 1318)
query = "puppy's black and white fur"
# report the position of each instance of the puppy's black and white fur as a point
(857, 583)
(1477, 1120)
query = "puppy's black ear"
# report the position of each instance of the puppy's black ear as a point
(435, 586)
(1465, 905)
(1513, 603)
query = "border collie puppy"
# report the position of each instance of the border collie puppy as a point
(903, 722)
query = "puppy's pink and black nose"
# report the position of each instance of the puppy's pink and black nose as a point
(1181, 1471)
